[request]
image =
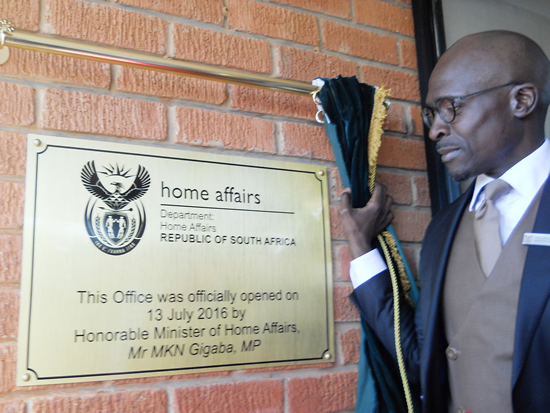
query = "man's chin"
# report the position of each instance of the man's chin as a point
(460, 176)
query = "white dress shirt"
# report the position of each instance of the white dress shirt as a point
(526, 178)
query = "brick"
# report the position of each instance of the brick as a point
(104, 115)
(384, 15)
(421, 191)
(13, 153)
(12, 199)
(272, 21)
(24, 15)
(209, 128)
(98, 23)
(221, 49)
(306, 65)
(283, 368)
(328, 393)
(410, 225)
(305, 140)
(358, 42)
(210, 11)
(9, 313)
(158, 379)
(402, 153)
(144, 401)
(336, 229)
(15, 406)
(350, 341)
(408, 54)
(170, 86)
(399, 187)
(338, 8)
(273, 103)
(416, 125)
(251, 396)
(16, 105)
(344, 309)
(8, 360)
(46, 66)
(403, 85)
(395, 118)
(335, 185)
(51, 387)
(342, 258)
(10, 257)
(409, 2)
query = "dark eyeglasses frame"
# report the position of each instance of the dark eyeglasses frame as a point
(428, 113)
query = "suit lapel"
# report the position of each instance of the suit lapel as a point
(535, 287)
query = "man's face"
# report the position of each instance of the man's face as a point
(483, 138)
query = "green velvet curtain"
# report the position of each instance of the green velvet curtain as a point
(349, 105)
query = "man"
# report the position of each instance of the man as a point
(479, 339)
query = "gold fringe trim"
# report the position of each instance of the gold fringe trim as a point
(375, 141)
(376, 129)
(405, 282)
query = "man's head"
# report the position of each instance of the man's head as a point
(493, 130)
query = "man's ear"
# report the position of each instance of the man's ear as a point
(525, 98)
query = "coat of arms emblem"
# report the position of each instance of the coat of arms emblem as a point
(115, 219)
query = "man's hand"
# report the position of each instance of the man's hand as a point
(362, 225)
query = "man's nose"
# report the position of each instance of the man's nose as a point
(439, 128)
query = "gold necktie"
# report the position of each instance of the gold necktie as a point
(487, 226)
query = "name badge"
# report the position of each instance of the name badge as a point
(532, 238)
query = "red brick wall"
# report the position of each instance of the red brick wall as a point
(295, 39)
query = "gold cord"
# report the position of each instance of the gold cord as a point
(397, 324)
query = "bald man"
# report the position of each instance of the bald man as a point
(479, 340)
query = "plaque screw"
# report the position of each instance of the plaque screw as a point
(321, 173)
(327, 355)
(26, 377)
(37, 142)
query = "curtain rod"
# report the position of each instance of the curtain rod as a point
(9, 36)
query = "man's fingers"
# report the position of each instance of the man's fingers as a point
(387, 221)
(389, 202)
(345, 199)
(377, 191)
(379, 194)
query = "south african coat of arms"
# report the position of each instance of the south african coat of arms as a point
(115, 217)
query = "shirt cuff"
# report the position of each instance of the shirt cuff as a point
(366, 266)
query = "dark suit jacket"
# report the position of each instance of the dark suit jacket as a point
(422, 331)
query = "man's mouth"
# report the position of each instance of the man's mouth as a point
(448, 153)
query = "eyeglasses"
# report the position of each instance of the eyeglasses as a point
(445, 107)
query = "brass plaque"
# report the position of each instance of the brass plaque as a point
(144, 261)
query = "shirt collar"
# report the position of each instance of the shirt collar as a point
(525, 177)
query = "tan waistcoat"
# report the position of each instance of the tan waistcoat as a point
(480, 319)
